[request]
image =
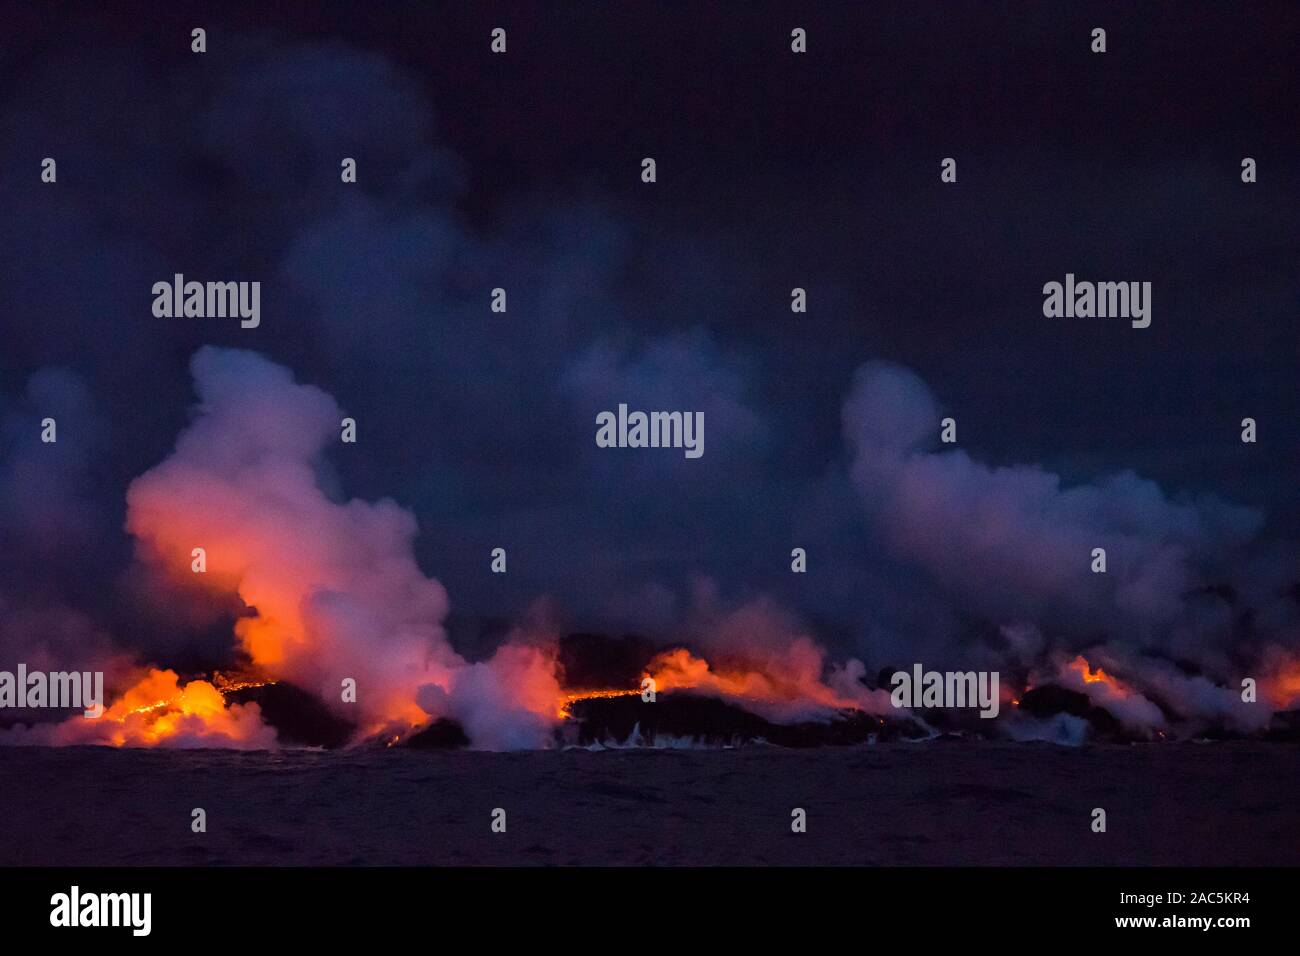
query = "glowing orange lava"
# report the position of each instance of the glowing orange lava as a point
(679, 669)
(562, 709)
(159, 709)
(795, 682)
(1283, 688)
(1090, 675)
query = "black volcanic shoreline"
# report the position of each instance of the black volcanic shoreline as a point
(976, 803)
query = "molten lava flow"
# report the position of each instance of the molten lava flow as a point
(563, 709)
(679, 669)
(785, 688)
(227, 683)
(1129, 706)
(1085, 671)
(160, 711)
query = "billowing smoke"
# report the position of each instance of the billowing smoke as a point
(1018, 540)
(1015, 545)
(333, 593)
(332, 587)
(761, 657)
(505, 703)
(328, 595)
(488, 435)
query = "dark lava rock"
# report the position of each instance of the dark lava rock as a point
(1048, 700)
(443, 734)
(1284, 727)
(299, 718)
(715, 722)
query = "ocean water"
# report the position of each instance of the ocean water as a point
(933, 803)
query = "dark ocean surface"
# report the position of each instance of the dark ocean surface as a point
(936, 803)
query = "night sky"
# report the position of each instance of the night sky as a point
(775, 170)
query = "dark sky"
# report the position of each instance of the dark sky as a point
(775, 170)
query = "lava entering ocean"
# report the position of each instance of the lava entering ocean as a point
(160, 710)
(341, 632)
(693, 700)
